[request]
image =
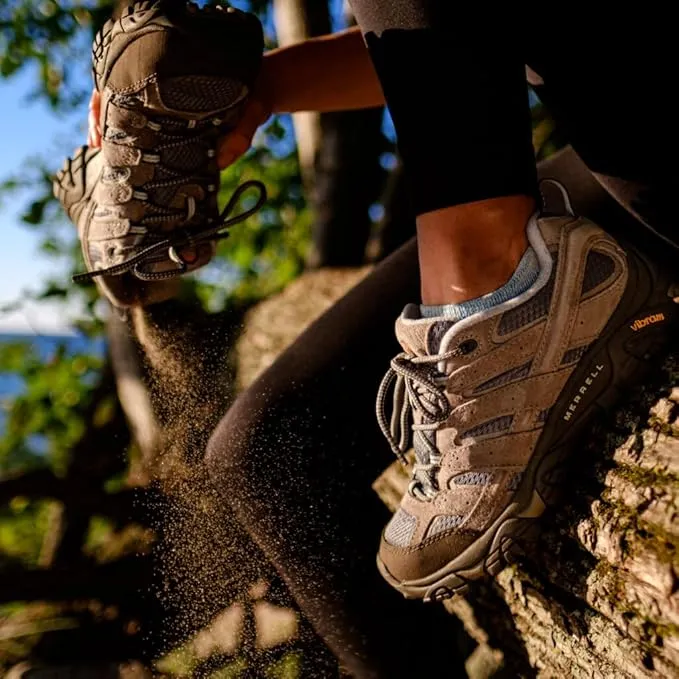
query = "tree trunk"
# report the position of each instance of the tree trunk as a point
(132, 388)
(349, 179)
(398, 223)
(338, 154)
(297, 20)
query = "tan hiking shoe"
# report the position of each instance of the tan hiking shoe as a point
(173, 78)
(80, 186)
(77, 186)
(494, 402)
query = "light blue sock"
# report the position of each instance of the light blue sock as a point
(525, 275)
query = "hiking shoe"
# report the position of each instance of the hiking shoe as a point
(76, 187)
(495, 402)
(173, 79)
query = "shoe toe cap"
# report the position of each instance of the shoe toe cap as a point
(417, 561)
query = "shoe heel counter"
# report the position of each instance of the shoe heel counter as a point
(553, 228)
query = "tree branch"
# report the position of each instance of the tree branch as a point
(126, 505)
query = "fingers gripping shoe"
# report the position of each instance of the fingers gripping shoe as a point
(173, 78)
(495, 402)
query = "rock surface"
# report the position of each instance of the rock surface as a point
(272, 325)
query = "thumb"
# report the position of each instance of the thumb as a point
(94, 129)
(239, 140)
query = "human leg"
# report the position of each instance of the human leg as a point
(463, 129)
(296, 456)
(498, 377)
(610, 100)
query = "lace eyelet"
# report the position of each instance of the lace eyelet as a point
(468, 346)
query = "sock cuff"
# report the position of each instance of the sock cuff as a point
(525, 275)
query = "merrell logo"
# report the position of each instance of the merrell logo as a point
(589, 380)
(643, 322)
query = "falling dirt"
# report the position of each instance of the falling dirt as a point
(206, 562)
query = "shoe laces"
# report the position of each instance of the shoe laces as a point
(180, 239)
(189, 134)
(417, 386)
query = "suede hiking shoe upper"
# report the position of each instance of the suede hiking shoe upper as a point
(490, 401)
(173, 78)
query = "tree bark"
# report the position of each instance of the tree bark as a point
(297, 20)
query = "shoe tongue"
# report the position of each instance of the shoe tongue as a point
(422, 338)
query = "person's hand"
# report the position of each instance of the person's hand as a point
(239, 140)
(94, 127)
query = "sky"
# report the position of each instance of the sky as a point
(29, 128)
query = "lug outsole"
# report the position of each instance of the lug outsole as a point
(134, 18)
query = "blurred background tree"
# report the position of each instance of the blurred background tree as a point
(99, 467)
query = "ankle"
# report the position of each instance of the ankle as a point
(470, 250)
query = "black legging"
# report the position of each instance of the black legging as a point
(455, 85)
(297, 453)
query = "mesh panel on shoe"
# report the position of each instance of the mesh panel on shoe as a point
(435, 335)
(197, 93)
(504, 378)
(515, 481)
(573, 355)
(164, 173)
(185, 157)
(441, 524)
(399, 531)
(474, 479)
(163, 194)
(535, 308)
(598, 268)
(490, 427)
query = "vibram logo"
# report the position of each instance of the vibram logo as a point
(649, 320)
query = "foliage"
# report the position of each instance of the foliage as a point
(50, 36)
(269, 249)
(44, 421)
(48, 415)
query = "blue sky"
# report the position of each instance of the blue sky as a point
(29, 128)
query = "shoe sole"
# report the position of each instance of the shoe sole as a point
(71, 179)
(117, 34)
(618, 360)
